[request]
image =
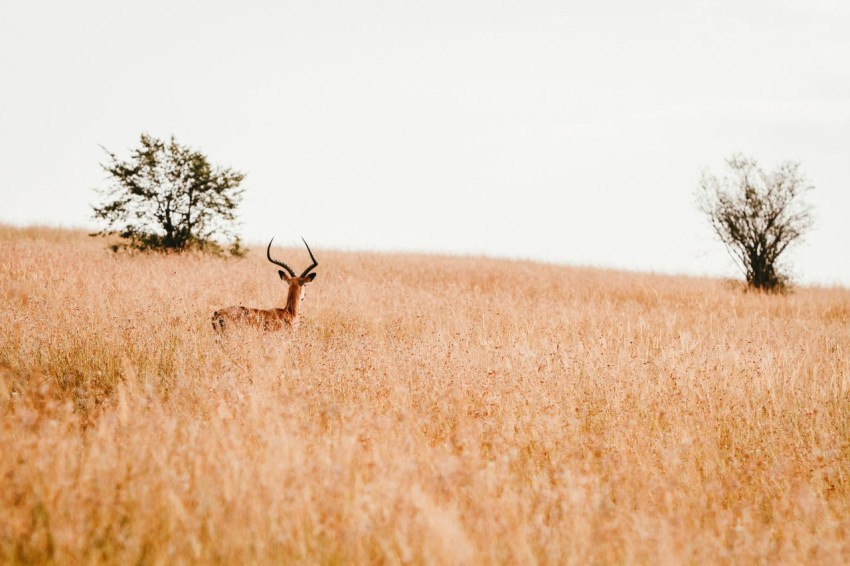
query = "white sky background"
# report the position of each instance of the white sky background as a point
(568, 132)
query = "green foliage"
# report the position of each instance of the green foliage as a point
(757, 215)
(168, 197)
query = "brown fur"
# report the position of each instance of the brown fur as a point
(265, 319)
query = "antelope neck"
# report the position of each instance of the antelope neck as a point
(292, 297)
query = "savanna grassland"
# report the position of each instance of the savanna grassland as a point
(428, 410)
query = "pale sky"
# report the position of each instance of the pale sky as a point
(561, 131)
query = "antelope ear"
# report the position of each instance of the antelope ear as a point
(283, 275)
(310, 277)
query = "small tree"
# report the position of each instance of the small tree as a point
(757, 215)
(169, 197)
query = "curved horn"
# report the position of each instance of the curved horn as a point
(276, 262)
(315, 263)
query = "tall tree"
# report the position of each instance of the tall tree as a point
(757, 215)
(169, 197)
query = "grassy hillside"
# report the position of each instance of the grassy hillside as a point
(436, 410)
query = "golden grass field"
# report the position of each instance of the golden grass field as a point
(438, 410)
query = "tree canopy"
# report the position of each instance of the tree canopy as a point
(170, 197)
(757, 215)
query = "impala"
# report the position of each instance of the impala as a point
(271, 319)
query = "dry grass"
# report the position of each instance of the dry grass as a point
(426, 411)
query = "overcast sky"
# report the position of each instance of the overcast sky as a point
(562, 131)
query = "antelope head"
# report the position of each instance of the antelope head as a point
(296, 282)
